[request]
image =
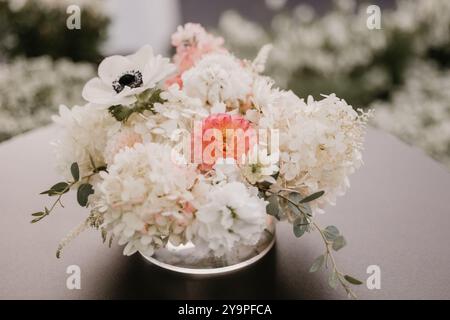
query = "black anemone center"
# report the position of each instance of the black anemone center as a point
(127, 79)
(131, 79)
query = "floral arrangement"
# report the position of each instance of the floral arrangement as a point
(203, 149)
(27, 28)
(40, 85)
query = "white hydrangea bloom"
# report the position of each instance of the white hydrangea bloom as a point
(320, 145)
(143, 194)
(232, 215)
(218, 78)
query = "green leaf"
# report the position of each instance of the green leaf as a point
(75, 170)
(273, 207)
(295, 198)
(120, 113)
(57, 189)
(306, 209)
(317, 264)
(300, 225)
(83, 193)
(333, 279)
(339, 243)
(38, 214)
(352, 280)
(312, 197)
(101, 168)
(299, 208)
(104, 234)
(331, 233)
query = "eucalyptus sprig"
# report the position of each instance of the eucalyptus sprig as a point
(300, 214)
(85, 189)
(144, 102)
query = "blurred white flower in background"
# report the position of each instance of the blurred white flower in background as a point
(32, 89)
(419, 112)
(275, 4)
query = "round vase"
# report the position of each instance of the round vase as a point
(200, 261)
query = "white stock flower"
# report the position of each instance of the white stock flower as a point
(231, 216)
(120, 78)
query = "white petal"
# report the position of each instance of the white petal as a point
(96, 91)
(156, 70)
(113, 67)
(141, 57)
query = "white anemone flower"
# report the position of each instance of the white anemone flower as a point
(121, 78)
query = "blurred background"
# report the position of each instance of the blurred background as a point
(320, 46)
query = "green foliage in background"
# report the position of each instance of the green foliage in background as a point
(37, 29)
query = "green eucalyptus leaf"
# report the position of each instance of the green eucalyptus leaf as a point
(83, 193)
(295, 198)
(38, 214)
(312, 197)
(298, 208)
(333, 279)
(75, 170)
(306, 209)
(300, 225)
(57, 189)
(104, 234)
(317, 264)
(331, 233)
(352, 280)
(273, 207)
(339, 243)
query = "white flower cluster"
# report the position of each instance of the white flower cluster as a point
(149, 196)
(31, 90)
(334, 44)
(419, 112)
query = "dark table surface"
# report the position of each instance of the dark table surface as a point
(396, 215)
